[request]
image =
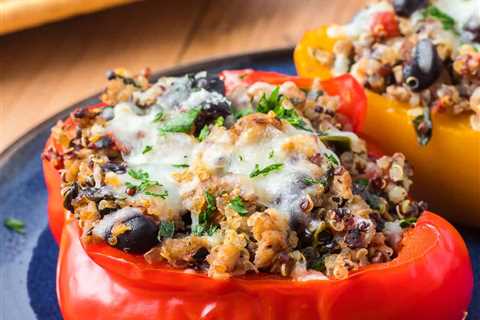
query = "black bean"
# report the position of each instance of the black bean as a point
(200, 255)
(69, 193)
(208, 81)
(141, 237)
(354, 238)
(424, 68)
(97, 194)
(472, 28)
(115, 167)
(104, 142)
(405, 8)
(297, 223)
(210, 112)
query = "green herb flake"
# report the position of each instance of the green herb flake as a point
(273, 102)
(206, 214)
(203, 229)
(318, 264)
(238, 205)
(182, 122)
(15, 225)
(147, 149)
(138, 174)
(159, 116)
(203, 133)
(271, 154)
(447, 21)
(407, 222)
(240, 157)
(332, 159)
(220, 121)
(166, 229)
(267, 104)
(242, 113)
(309, 181)
(361, 182)
(265, 171)
(180, 165)
(146, 185)
(341, 142)
(423, 127)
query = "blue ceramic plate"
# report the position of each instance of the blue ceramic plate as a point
(28, 262)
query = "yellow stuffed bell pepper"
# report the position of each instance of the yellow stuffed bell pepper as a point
(447, 168)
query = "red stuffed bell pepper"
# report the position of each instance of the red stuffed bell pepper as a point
(97, 280)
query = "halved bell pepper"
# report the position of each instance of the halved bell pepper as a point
(96, 281)
(447, 170)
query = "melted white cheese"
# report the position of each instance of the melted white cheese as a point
(279, 189)
(460, 10)
(231, 159)
(135, 129)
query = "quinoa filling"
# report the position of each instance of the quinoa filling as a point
(261, 179)
(424, 53)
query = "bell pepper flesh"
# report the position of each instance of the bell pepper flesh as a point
(432, 267)
(447, 170)
(96, 281)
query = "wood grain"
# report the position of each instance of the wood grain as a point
(48, 68)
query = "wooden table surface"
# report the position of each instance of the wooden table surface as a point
(45, 69)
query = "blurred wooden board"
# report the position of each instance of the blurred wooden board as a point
(21, 14)
(42, 70)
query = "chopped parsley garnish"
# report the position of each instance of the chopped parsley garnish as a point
(447, 21)
(15, 225)
(318, 264)
(309, 181)
(159, 116)
(201, 229)
(180, 165)
(407, 222)
(271, 154)
(332, 159)
(373, 200)
(147, 149)
(423, 127)
(166, 229)
(273, 102)
(204, 133)
(240, 157)
(138, 174)
(206, 214)
(242, 113)
(182, 122)
(146, 185)
(361, 182)
(265, 171)
(220, 121)
(341, 142)
(238, 205)
(270, 103)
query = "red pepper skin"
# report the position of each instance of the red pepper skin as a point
(56, 212)
(353, 101)
(430, 279)
(385, 24)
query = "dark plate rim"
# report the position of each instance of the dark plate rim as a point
(208, 63)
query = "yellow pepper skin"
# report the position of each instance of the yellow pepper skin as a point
(447, 170)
